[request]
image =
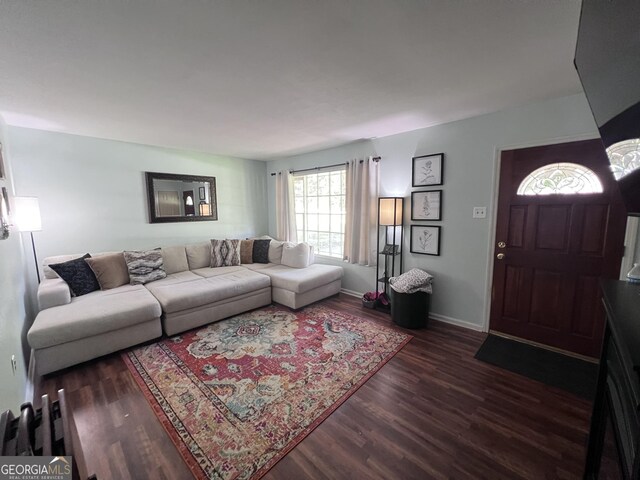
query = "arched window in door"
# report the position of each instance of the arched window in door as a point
(624, 157)
(560, 178)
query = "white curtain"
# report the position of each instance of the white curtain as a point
(285, 211)
(360, 226)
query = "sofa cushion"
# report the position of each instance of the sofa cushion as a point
(173, 279)
(256, 267)
(93, 314)
(275, 251)
(261, 250)
(78, 275)
(214, 272)
(246, 251)
(174, 259)
(186, 295)
(144, 266)
(300, 280)
(295, 255)
(199, 255)
(110, 270)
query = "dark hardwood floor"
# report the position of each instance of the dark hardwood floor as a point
(433, 411)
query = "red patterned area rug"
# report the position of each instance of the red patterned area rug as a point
(237, 395)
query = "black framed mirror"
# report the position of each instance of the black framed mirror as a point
(181, 198)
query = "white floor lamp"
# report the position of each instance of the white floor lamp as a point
(27, 219)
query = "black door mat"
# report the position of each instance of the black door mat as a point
(555, 369)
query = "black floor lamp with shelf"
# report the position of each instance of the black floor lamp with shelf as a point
(389, 257)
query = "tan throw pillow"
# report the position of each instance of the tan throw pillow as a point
(110, 270)
(246, 251)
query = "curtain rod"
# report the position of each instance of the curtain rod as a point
(375, 159)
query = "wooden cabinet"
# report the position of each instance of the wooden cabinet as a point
(614, 438)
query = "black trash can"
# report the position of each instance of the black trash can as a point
(410, 310)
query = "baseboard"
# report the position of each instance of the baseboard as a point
(455, 321)
(351, 293)
(435, 316)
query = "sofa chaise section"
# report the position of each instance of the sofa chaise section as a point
(66, 333)
(298, 287)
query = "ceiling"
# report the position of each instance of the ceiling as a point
(269, 78)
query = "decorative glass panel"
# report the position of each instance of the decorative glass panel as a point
(560, 178)
(624, 157)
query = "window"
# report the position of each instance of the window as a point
(320, 211)
(560, 178)
(624, 157)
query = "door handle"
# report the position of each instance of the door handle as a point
(500, 256)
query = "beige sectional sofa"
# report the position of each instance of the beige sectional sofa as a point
(69, 330)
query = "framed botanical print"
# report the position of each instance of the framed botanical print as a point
(425, 240)
(427, 170)
(426, 205)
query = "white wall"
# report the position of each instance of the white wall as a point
(13, 305)
(637, 252)
(461, 290)
(93, 195)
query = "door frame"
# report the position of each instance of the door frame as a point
(493, 208)
(630, 244)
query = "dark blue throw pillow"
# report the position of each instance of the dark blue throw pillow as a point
(261, 251)
(78, 275)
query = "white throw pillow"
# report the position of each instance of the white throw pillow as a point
(295, 255)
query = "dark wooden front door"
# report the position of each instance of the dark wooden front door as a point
(556, 247)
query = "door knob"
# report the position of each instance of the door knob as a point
(501, 245)
(500, 256)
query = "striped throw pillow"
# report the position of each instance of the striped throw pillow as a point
(144, 266)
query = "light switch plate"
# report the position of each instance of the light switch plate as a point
(479, 212)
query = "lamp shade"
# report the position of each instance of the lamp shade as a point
(205, 210)
(27, 214)
(387, 207)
